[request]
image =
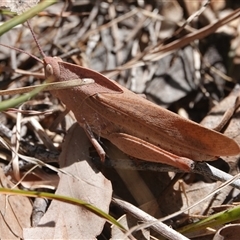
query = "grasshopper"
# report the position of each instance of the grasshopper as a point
(135, 125)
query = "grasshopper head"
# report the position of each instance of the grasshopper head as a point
(51, 68)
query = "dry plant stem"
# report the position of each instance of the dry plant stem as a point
(48, 86)
(216, 174)
(29, 149)
(4, 131)
(36, 161)
(199, 34)
(41, 133)
(228, 114)
(132, 35)
(200, 168)
(15, 142)
(109, 24)
(159, 51)
(158, 226)
(195, 15)
(89, 21)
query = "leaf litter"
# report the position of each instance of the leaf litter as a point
(140, 46)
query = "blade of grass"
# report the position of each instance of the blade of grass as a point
(213, 220)
(48, 86)
(65, 199)
(4, 105)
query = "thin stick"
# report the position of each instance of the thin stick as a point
(158, 226)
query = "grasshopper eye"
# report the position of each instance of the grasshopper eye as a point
(49, 69)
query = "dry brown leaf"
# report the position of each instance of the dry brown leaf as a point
(228, 232)
(65, 221)
(215, 115)
(15, 212)
(232, 130)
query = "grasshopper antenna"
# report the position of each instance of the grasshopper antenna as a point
(22, 51)
(35, 39)
(29, 54)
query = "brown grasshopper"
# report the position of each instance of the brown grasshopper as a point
(135, 125)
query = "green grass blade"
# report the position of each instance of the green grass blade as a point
(4, 105)
(214, 220)
(66, 199)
